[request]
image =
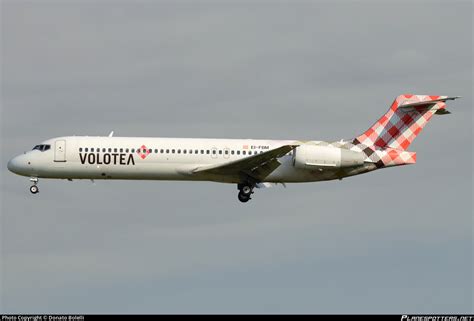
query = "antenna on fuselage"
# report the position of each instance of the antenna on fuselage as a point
(111, 134)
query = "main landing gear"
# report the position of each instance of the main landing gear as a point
(245, 191)
(34, 188)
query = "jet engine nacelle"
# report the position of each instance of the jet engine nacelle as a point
(314, 157)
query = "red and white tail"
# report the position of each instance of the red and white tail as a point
(405, 119)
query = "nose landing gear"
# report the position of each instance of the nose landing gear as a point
(34, 188)
(245, 191)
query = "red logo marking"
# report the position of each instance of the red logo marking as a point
(143, 152)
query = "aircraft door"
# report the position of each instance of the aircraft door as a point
(60, 151)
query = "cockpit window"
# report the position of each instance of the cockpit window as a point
(42, 148)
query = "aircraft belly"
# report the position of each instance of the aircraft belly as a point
(290, 174)
(151, 171)
(286, 172)
(174, 171)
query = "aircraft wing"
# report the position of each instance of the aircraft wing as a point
(257, 166)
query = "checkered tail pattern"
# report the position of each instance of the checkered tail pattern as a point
(386, 142)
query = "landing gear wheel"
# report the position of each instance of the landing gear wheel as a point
(34, 189)
(243, 198)
(246, 190)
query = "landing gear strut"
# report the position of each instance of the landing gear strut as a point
(34, 188)
(245, 191)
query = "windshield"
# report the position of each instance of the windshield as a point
(42, 148)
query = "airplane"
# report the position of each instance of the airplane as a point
(248, 163)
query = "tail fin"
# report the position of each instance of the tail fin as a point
(405, 119)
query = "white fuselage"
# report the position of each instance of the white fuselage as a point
(141, 158)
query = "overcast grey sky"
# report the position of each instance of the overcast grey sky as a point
(394, 241)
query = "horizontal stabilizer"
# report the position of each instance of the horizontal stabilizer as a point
(427, 104)
(442, 112)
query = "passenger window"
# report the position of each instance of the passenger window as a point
(190, 151)
(167, 151)
(103, 150)
(156, 151)
(196, 151)
(161, 151)
(150, 151)
(238, 152)
(126, 150)
(207, 151)
(92, 150)
(232, 152)
(110, 150)
(172, 151)
(214, 151)
(80, 149)
(86, 150)
(184, 151)
(115, 150)
(202, 151)
(244, 153)
(226, 152)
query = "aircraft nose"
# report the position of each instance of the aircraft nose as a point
(13, 164)
(17, 165)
